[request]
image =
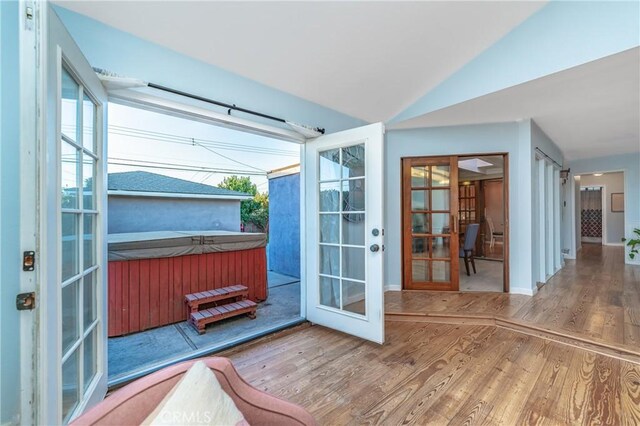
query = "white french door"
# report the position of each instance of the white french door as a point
(72, 342)
(343, 175)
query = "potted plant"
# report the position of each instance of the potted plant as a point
(633, 243)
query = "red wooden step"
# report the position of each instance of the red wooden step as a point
(201, 318)
(194, 300)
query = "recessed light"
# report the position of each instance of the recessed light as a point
(597, 174)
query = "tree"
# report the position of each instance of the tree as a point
(254, 211)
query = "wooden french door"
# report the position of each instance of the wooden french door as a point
(430, 223)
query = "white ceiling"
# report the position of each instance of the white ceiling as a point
(589, 111)
(370, 60)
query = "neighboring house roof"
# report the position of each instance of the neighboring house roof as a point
(284, 171)
(145, 184)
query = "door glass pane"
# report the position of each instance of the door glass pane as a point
(69, 106)
(330, 168)
(88, 177)
(353, 161)
(440, 199)
(420, 270)
(89, 302)
(88, 123)
(440, 223)
(90, 358)
(353, 229)
(330, 292)
(330, 260)
(441, 271)
(420, 246)
(89, 242)
(353, 297)
(420, 200)
(440, 247)
(329, 228)
(353, 263)
(69, 176)
(70, 332)
(70, 394)
(420, 223)
(353, 195)
(330, 197)
(440, 175)
(69, 245)
(420, 176)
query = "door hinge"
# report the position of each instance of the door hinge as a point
(26, 301)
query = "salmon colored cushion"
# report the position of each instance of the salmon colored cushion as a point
(197, 399)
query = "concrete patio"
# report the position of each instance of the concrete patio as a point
(135, 352)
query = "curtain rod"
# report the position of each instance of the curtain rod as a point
(225, 105)
(548, 157)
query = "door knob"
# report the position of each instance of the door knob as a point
(374, 248)
(375, 232)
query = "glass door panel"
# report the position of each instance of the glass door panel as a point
(430, 233)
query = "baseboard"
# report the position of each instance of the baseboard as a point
(614, 244)
(525, 291)
(393, 287)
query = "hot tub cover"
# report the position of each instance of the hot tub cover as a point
(151, 245)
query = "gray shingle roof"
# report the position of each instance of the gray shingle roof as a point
(140, 181)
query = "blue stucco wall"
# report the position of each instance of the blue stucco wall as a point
(144, 214)
(284, 225)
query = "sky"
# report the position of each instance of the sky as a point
(159, 143)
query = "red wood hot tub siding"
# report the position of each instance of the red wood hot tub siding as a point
(148, 293)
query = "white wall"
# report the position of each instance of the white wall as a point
(614, 221)
(511, 138)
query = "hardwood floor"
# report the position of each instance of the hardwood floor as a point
(595, 299)
(442, 374)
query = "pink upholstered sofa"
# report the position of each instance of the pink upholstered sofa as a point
(131, 404)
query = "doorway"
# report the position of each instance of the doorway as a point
(455, 232)
(591, 214)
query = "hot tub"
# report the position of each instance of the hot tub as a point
(151, 272)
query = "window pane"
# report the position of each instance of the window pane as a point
(90, 358)
(420, 246)
(330, 197)
(88, 123)
(70, 332)
(69, 176)
(353, 229)
(69, 245)
(441, 271)
(88, 179)
(420, 270)
(440, 223)
(329, 228)
(330, 260)
(420, 223)
(70, 394)
(353, 297)
(440, 176)
(353, 161)
(69, 106)
(330, 168)
(441, 247)
(420, 200)
(420, 176)
(440, 199)
(89, 240)
(353, 263)
(89, 302)
(330, 292)
(353, 195)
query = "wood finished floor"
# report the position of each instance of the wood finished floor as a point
(442, 374)
(596, 297)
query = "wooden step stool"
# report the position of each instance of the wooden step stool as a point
(215, 305)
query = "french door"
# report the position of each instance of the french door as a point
(72, 343)
(343, 175)
(430, 223)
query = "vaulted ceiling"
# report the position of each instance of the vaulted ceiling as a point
(371, 60)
